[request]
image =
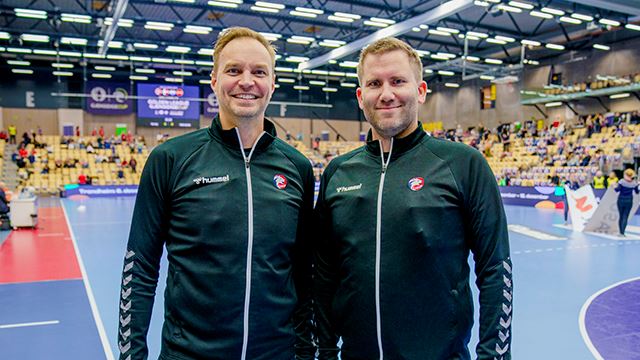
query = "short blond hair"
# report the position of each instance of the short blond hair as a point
(386, 45)
(236, 32)
(630, 173)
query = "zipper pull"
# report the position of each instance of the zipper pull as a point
(246, 163)
(384, 168)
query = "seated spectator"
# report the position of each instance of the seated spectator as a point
(133, 163)
(82, 179)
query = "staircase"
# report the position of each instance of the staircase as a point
(9, 169)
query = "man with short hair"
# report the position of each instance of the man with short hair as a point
(397, 220)
(231, 203)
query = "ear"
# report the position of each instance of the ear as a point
(273, 83)
(359, 96)
(213, 81)
(422, 92)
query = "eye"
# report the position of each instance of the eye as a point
(373, 83)
(261, 72)
(232, 71)
(398, 81)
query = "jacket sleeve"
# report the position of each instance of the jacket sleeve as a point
(489, 241)
(302, 273)
(325, 279)
(142, 258)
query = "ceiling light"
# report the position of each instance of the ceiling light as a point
(452, 85)
(184, 62)
(496, 41)
(19, 50)
(83, 19)
(438, 32)
(349, 64)
(493, 61)
(223, 4)
(62, 65)
(340, 18)
(296, 59)
(178, 49)
(512, 9)
(373, 23)
(5, 35)
(570, 20)
(117, 57)
(162, 60)
(34, 38)
(582, 17)
(416, 29)
(541, 14)
(101, 76)
(62, 73)
(70, 53)
(609, 22)
(348, 84)
(33, 14)
(301, 87)
(18, 62)
(174, 80)
(182, 73)
(521, 5)
(530, 42)
(477, 34)
(271, 36)
(428, 71)
(204, 63)
(471, 58)
(265, 9)
(619, 96)
(283, 69)
(553, 104)
(329, 89)
(145, 46)
(505, 38)
(302, 14)
(632, 27)
(22, 71)
(206, 81)
(317, 82)
(487, 77)
(555, 46)
(481, 3)
(155, 25)
(73, 41)
(446, 72)
(121, 23)
(45, 52)
(311, 11)
(449, 30)
(140, 58)
(601, 47)
(112, 44)
(145, 71)
(347, 15)
(105, 68)
(192, 29)
(270, 5)
(552, 11)
(286, 80)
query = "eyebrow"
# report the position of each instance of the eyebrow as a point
(237, 63)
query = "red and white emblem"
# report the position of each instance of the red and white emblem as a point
(416, 183)
(280, 181)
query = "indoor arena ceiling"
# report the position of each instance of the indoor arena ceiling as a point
(317, 38)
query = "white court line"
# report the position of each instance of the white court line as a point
(87, 286)
(613, 237)
(583, 313)
(536, 234)
(38, 323)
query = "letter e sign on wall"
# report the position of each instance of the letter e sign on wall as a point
(29, 99)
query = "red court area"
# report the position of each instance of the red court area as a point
(43, 254)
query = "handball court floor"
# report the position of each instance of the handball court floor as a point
(577, 296)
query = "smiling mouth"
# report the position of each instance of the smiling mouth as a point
(388, 108)
(245, 96)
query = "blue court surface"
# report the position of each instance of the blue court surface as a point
(575, 295)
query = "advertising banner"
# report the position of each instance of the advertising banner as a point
(161, 105)
(210, 107)
(108, 98)
(102, 191)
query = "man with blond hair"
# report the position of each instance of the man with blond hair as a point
(231, 203)
(397, 219)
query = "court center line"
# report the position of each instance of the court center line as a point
(92, 301)
(37, 323)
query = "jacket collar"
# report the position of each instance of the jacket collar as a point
(400, 145)
(230, 137)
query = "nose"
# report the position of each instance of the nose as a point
(246, 79)
(386, 93)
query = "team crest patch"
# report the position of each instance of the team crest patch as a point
(280, 181)
(416, 183)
